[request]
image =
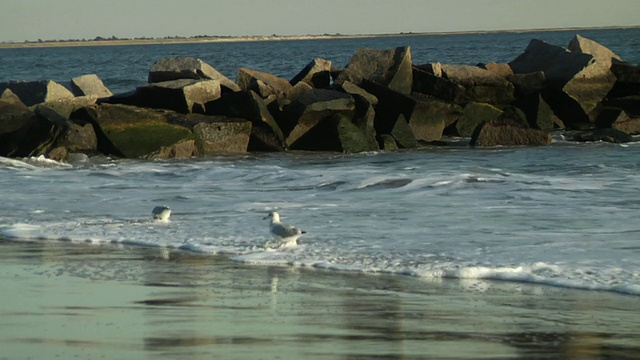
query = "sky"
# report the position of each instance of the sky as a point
(31, 20)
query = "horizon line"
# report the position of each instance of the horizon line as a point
(113, 40)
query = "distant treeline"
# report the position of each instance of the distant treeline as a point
(200, 37)
(113, 38)
(143, 38)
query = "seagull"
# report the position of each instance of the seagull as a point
(287, 235)
(161, 213)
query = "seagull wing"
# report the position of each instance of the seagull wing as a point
(285, 231)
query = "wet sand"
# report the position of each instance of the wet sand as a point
(62, 300)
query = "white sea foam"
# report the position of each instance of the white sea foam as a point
(32, 163)
(508, 215)
(15, 164)
(21, 231)
(535, 273)
(42, 161)
(540, 273)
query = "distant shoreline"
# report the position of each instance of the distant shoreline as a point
(218, 39)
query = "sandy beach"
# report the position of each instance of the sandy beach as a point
(274, 37)
(179, 40)
(63, 300)
(183, 40)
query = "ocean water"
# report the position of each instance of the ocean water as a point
(122, 68)
(561, 215)
(492, 221)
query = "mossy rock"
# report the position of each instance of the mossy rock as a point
(334, 133)
(403, 134)
(136, 140)
(129, 131)
(352, 138)
(475, 114)
(429, 119)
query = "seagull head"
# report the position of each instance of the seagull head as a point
(161, 213)
(274, 216)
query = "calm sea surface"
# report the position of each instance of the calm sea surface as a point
(442, 252)
(124, 67)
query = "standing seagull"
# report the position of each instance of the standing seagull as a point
(287, 235)
(161, 213)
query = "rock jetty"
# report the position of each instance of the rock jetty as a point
(380, 100)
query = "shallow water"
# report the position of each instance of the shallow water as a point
(63, 300)
(440, 253)
(558, 215)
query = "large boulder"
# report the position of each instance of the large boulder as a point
(512, 115)
(492, 134)
(538, 113)
(213, 134)
(230, 136)
(38, 136)
(353, 138)
(474, 115)
(630, 104)
(627, 80)
(428, 83)
(402, 134)
(18, 124)
(578, 81)
(355, 90)
(262, 83)
(89, 85)
(600, 53)
(266, 135)
(335, 133)
(481, 85)
(390, 68)
(364, 118)
(58, 125)
(312, 108)
(175, 68)
(14, 114)
(618, 119)
(65, 136)
(36, 92)
(558, 63)
(527, 84)
(79, 138)
(391, 104)
(365, 114)
(426, 118)
(317, 74)
(387, 142)
(129, 131)
(277, 103)
(498, 69)
(430, 68)
(184, 95)
(296, 91)
(606, 135)
(65, 107)
(569, 112)
(184, 149)
(591, 86)
(430, 117)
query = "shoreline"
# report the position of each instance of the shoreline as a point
(142, 302)
(220, 39)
